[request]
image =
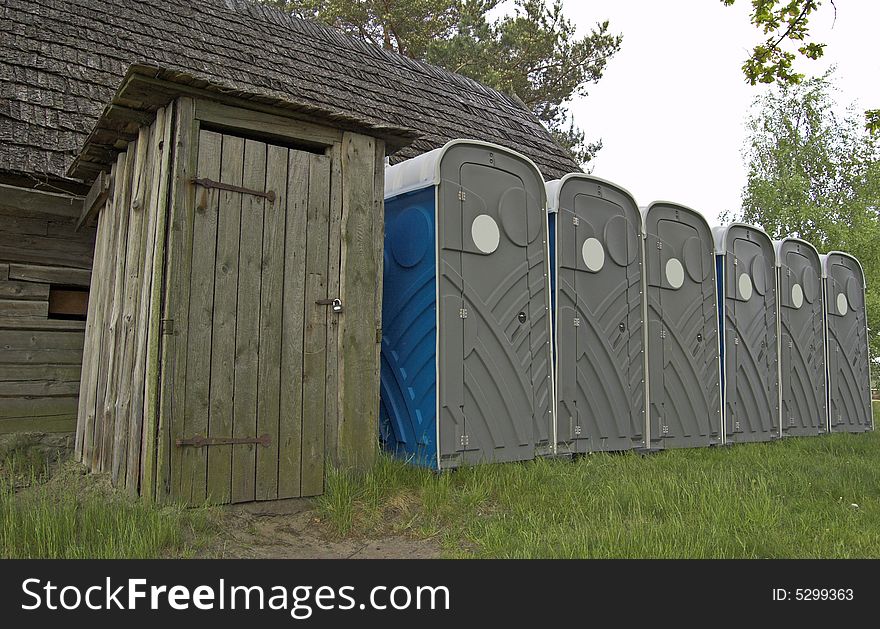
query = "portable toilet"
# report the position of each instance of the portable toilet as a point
(849, 376)
(597, 251)
(747, 312)
(802, 388)
(684, 377)
(466, 347)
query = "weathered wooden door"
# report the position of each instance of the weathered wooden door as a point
(250, 341)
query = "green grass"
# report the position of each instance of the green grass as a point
(66, 514)
(801, 497)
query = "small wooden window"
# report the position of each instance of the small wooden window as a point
(68, 303)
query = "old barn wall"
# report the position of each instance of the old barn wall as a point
(45, 267)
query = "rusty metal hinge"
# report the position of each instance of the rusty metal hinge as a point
(200, 442)
(210, 183)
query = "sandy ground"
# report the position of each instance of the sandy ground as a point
(289, 529)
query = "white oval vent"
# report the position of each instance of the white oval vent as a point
(674, 273)
(797, 296)
(593, 254)
(484, 231)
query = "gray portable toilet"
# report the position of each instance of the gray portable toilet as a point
(746, 274)
(466, 346)
(596, 242)
(846, 329)
(802, 387)
(684, 379)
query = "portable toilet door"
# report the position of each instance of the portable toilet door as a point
(599, 315)
(802, 387)
(849, 376)
(466, 354)
(746, 275)
(682, 326)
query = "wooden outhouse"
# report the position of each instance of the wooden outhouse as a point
(232, 343)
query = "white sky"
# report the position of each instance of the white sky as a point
(672, 104)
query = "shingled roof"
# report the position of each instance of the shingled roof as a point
(61, 61)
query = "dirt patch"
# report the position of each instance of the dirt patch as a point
(291, 530)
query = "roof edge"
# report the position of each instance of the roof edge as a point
(153, 86)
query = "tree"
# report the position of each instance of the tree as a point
(815, 174)
(531, 52)
(786, 23)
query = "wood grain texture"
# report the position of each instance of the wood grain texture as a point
(50, 274)
(178, 260)
(334, 259)
(271, 333)
(291, 411)
(88, 384)
(130, 208)
(22, 308)
(224, 321)
(358, 431)
(65, 422)
(144, 432)
(201, 307)
(247, 341)
(131, 432)
(315, 340)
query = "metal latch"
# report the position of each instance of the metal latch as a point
(575, 221)
(335, 304)
(577, 322)
(200, 442)
(462, 312)
(662, 334)
(465, 441)
(462, 195)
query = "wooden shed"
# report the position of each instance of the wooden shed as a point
(232, 342)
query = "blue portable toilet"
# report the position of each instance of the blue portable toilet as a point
(597, 278)
(466, 372)
(747, 318)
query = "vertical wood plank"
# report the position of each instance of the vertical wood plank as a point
(359, 428)
(4, 272)
(141, 453)
(88, 379)
(201, 306)
(176, 302)
(379, 264)
(135, 204)
(291, 413)
(223, 334)
(271, 303)
(120, 205)
(247, 339)
(132, 278)
(314, 358)
(331, 411)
